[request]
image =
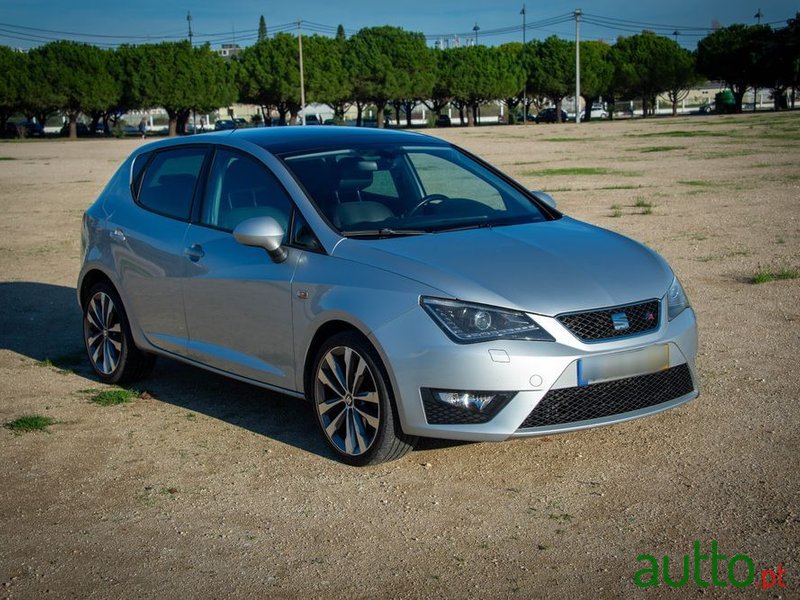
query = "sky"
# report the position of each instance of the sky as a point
(30, 23)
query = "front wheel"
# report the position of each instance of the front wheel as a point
(353, 403)
(107, 336)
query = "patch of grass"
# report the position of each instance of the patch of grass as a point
(697, 183)
(765, 276)
(616, 210)
(619, 187)
(680, 133)
(724, 255)
(113, 397)
(30, 423)
(576, 171)
(7, 158)
(647, 207)
(660, 149)
(564, 139)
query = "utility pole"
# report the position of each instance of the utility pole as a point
(302, 80)
(525, 84)
(758, 16)
(476, 29)
(189, 20)
(578, 14)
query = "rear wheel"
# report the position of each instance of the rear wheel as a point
(353, 403)
(107, 336)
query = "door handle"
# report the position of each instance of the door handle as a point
(117, 235)
(194, 252)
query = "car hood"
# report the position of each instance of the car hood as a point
(546, 268)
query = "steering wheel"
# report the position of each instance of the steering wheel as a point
(426, 200)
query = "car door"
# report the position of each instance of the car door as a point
(147, 242)
(238, 301)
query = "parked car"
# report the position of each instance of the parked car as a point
(82, 129)
(549, 115)
(443, 121)
(400, 285)
(597, 113)
(224, 124)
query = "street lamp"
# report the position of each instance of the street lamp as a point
(476, 29)
(525, 84)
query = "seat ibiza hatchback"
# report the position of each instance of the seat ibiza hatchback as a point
(403, 286)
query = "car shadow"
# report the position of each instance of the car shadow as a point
(43, 322)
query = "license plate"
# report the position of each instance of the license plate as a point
(607, 367)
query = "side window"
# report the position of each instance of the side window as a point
(440, 176)
(139, 163)
(169, 182)
(239, 188)
(302, 236)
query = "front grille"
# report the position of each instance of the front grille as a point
(599, 325)
(569, 405)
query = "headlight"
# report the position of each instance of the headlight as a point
(467, 323)
(676, 299)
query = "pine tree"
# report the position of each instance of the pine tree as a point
(262, 29)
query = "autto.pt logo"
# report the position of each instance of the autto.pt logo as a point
(703, 570)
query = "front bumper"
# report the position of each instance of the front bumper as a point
(428, 359)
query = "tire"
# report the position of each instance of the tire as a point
(353, 402)
(107, 337)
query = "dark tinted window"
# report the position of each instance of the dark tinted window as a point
(239, 188)
(169, 182)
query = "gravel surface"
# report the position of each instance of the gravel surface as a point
(205, 487)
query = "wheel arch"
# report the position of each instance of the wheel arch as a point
(90, 279)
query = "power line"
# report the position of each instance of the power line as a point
(41, 35)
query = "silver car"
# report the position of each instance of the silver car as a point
(403, 286)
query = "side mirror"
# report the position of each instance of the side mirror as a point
(545, 197)
(262, 232)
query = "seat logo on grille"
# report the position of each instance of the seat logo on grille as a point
(620, 321)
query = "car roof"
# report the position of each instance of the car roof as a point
(280, 140)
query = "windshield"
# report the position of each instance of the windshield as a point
(407, 190)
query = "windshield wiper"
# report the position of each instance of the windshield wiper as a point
(385, 232)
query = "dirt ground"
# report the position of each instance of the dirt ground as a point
(209, 488)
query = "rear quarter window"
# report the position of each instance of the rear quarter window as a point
(169, 182)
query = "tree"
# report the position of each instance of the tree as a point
(512, 72)
(13, 65)
(387, 63)
(178, 78)
(681, 75)
(441, 92)
(76, 78)
(325, 73)
(551, 69)
(268, 74)
(647, 65)
(262, 29)
(789, 40)
(735, 55)
(478, 74)
(597, 73)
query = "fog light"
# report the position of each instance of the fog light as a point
(472, 401)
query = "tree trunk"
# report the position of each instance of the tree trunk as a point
(379, 108)
(96, 116)
(359, 114)
(461, 114)
(558, 110)
(173, 122)
(409, 108)
(738, 97)
(73, 125)
(470, 116)
(587, 113)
